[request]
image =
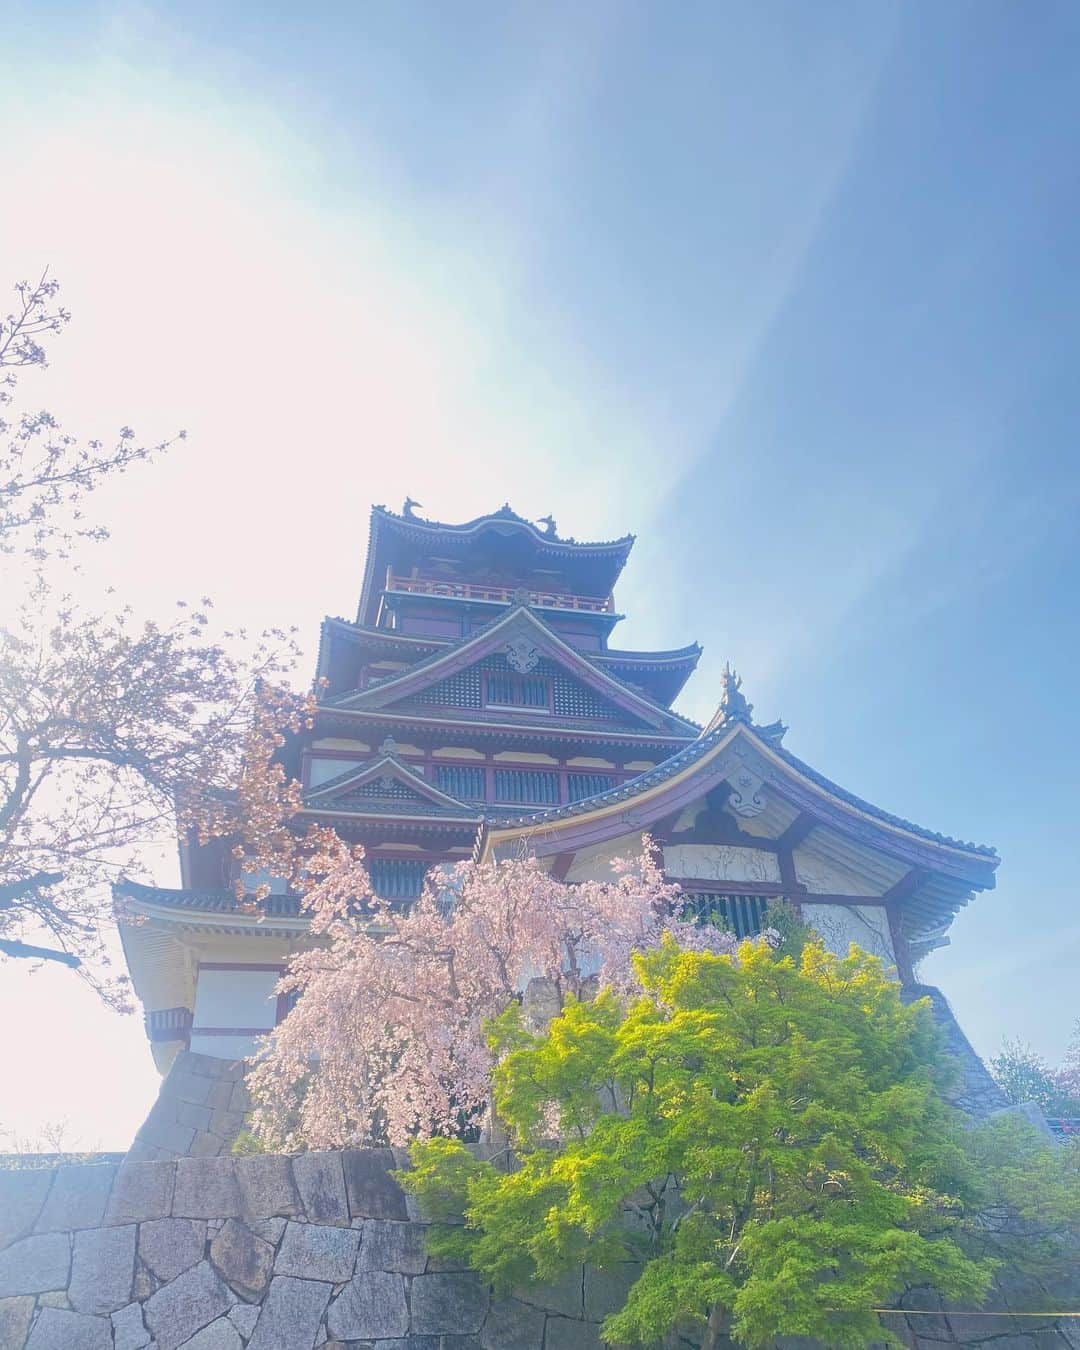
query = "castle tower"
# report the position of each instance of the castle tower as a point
(476, 708)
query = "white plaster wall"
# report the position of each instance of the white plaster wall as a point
(821, 876)
(223, 1047)
(322, 770)
(841, 925)
(235, 998)
(721, 862)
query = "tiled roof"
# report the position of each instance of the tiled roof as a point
(668, 768)
(504, 513)
(343, 700)
(205, 902)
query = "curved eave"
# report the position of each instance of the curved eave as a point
(415, 529)
(332, 713)
(388, 766)
(205, 911)
(394, 814)
(640, 802)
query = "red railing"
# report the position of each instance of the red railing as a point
(502, 595)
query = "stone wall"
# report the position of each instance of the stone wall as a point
(320, 1250)
(272, 1253)
(975, 1092)
(201, 1107)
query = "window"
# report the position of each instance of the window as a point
(744, 915)
(397, 878)
(582, 785)
(516, 691)
(461, 781)
(526, 787)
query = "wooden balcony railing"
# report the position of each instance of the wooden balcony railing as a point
(501, 595)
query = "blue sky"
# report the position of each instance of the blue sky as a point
(788, 290)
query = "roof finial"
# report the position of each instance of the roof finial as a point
(549, 521)
(733, 705)
(407, 510)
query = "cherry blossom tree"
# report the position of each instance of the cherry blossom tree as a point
(114, 732)
(386, 1041)
(45, 473)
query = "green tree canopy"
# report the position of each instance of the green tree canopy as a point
(766, 1138)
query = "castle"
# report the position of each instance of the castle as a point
(477, 708)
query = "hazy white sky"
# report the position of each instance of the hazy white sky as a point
(781, 290)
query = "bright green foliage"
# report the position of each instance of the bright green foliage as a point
(767, 1138)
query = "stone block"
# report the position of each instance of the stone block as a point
(240, 1101)
(511, 1325)
(171, 1246)
(169, 1137)
(270, 1230)
(450, 1304)
(373, 1193)
(198, 1117)
(391, 1245)
(564, 1296)
(22, 1197)
(102, 1269)
(35, 1264)
(227, 1124)
(187, 1304)
(290, 1315)
(320, 1182)
(244, 1316)
(206, 1145)
(243, 1259)
(129, 1329)
(140, 1191)
(606, 1290)
(219, 1335)
(54, 1298)
(57, 1329)
(77, 1198)
(220, 1095)
(206, 1189)
(143, 1151)
(371, 1306)
(266, 1187)
(186, 1087)
(567, 1333)
(316, 1252)
(453, 1342)
(15, 1314)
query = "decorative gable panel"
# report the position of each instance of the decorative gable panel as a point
(547, 689)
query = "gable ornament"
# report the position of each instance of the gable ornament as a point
(522, 655)
(747, 799)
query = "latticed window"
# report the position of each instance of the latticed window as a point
(397, 878)
(463, 781)
(571, 698)
(463, 690)
(515, 691)
(744, 915)
(526, 787)
(582, 785)
(386, 786)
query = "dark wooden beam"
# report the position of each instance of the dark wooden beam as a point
(561, 865)
(908, 884)
(797, 831)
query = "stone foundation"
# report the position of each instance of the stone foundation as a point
(319, 1249)
(202, 1105)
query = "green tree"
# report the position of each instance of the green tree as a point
(766, 1138)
